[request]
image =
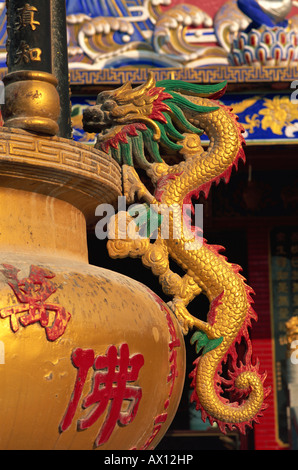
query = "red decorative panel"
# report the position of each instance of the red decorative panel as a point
(265, 432)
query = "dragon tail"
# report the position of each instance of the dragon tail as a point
(238, 400)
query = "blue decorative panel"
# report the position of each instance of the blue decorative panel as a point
(265, 118)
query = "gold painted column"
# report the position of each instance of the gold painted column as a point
(37, 84)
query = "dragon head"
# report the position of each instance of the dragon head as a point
(130, 123)
(116, 108)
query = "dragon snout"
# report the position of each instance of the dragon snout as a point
(94, 119)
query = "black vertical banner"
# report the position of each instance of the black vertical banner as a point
(29, 35)
(60, 64)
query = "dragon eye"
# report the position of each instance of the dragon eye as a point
(109, 104)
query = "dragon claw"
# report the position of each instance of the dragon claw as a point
(132, 185)
(183, 316)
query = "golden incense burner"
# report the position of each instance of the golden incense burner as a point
(90, 359)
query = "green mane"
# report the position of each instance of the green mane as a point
(142, 148)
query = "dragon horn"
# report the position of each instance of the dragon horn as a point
(122, 92)
(138, 92)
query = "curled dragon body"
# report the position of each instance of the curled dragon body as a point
(145, 128)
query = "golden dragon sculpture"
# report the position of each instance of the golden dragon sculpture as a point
(154, 129)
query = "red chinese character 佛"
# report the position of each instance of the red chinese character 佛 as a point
(114, 374)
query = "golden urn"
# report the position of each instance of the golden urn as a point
(89, 358)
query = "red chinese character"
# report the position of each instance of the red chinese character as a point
(32, 292)
(111, 379)
(158, 422)
(173, 373)
(174, 343)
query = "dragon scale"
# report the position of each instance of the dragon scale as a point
(152, 110)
